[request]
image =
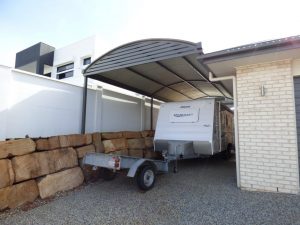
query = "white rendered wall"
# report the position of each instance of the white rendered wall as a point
(39, 106)
(5, 93)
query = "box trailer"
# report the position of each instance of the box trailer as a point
(184, 130)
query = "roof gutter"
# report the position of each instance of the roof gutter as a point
(235, 114)
(259, 48)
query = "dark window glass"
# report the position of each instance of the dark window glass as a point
(87, 61)
(64, 75)
(65, 67)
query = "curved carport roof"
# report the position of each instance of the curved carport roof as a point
(164, 69)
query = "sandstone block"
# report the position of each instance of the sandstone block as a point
(30, 166)
(42, 144)
(19, 194)
(149, 142)
(64, 141)
(121, 152)
(152, 154)
(137, 143)
(42, 163)
(75, 140)
(136, 153)
(62, 158)
(131, 134)
(83, 150)
(16, 147)
(111, 135)
(61, 181)
(7, 175)
(47, 143)
(115, 145)
(147, 133)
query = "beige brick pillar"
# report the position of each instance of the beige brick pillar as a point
(267, 127)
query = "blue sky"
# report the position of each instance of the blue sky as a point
(217, 24)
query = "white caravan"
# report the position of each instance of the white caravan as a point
(194, 128)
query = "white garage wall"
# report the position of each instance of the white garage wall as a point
(39, 106)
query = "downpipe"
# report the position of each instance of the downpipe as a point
(236, 130)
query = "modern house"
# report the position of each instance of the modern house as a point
(64, 63)
(36, 59)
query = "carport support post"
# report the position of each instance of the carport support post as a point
(151, 114)
(83, 118)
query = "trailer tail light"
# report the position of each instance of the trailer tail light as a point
(115, 163)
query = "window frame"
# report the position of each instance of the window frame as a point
(87, 58)
(66, 70)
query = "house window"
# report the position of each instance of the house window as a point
(64, 75)
(87, 61)
(65, 71)
(65, 67)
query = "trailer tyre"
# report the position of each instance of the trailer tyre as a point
(146, 178)
(107, 174)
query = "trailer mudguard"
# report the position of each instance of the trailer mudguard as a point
(136, 165)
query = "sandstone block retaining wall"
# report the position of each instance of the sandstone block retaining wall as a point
(41, 167)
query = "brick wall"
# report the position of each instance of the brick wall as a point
(267, 128)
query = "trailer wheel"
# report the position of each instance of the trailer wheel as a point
(107, 174)
(146, 178)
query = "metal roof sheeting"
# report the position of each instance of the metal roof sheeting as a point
(161, 68)
(253, 49)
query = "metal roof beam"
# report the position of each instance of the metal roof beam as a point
(155, 81)
(180, 77)
(199, 72)
(179, 83)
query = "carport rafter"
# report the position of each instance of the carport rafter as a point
(180, 82)
(180, 77)
(157, 82)
(200, 73)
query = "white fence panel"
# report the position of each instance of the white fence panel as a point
(120, 112)
(39, 107)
